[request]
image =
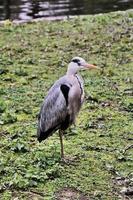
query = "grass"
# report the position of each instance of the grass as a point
(32, 57)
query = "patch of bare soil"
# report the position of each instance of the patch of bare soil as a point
(70, 194)
(32, 195)
(124, 187)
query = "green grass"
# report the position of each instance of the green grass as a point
(32, 57)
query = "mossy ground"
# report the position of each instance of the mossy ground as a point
(32, 57)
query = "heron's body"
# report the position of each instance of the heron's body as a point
(61, 105)
(63, 102)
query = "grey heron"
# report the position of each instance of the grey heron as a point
(63, 102)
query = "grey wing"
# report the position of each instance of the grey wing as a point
(52, 113)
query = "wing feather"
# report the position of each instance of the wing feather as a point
(53, 111)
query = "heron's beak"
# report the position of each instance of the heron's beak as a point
(90, 66)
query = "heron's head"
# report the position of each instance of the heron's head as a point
(78, 63)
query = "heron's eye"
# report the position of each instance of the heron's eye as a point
(76, 61)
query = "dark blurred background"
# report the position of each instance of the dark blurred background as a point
(54, 9)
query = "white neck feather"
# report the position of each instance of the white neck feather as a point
(72, 69)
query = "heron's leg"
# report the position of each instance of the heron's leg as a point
(61, 142)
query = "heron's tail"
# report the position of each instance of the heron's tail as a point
(41, 135)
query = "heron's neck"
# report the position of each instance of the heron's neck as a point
(72, 70)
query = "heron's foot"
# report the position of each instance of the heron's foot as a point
(68, 160)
